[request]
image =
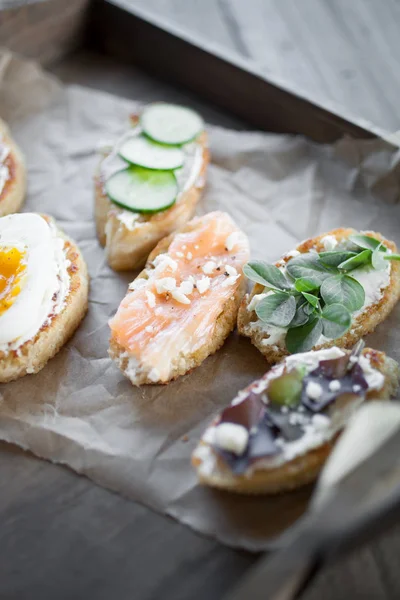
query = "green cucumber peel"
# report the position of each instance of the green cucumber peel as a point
(142, 190)
(171, 124)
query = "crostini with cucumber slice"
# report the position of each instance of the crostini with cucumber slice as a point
(277, 433)
(148, 184)
(330, 290)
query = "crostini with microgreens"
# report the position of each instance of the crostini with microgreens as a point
(183, 305)
(277, 433)
(331, 290)
(43, 292)
(148, 183)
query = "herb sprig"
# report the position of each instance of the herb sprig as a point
(316, 294)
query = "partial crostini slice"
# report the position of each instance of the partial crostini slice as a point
(277, 433)
(12, 173)
(43, 292)
(367, 285)
(128, 235)
(183, 305)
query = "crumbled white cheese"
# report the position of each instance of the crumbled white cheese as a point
(231, 437)
(314, 390)
(138, 283)
(356, 388)
(231, 280)
(209, 435)
(252, 305)
(186, 287)
(276, 335)
(232, 240)
(209, 267)
(179, 297)
(196, 246)
(189, 256)
(291, 254)
(203, 284)
(372, 376)
(4, 176)
(163, 261)
(179, 254)
(149, 328)
(230, 270)
(373, 282)
(184, 247)
(329, 242)
(151, 299)
(334, 385)
(321, 422)
(165, 284)
(154, 375)
(128, 218)
(296, 418)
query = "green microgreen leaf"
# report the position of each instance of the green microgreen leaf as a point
(308, 266)
(342, 289)
(377, 259)
(336, 320)
(277, 309)
(364, 241)
(300, 318)
(308, 308)
(313, 300)
(335, 258)
(268, 275)
(304, 338)
(305, 285)
(392, 257)
(362, 258)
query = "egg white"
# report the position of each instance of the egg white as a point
(31, 234)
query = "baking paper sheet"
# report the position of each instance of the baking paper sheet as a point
(79, 410)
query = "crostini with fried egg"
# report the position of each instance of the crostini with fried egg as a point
(43, 292)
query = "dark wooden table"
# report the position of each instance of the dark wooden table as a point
(62, 537)
(343, 55)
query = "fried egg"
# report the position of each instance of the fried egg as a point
(33, 274)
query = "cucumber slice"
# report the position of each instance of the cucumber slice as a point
(171, 124)
(142, 190)
(141, 151)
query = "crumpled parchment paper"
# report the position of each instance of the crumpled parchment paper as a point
(79, 410)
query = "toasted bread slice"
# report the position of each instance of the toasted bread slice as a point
(33, 355)
(12, 173)
(364, 321)
(301, 470)
(130, 237)
(203, 324)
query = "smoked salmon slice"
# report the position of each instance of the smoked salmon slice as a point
(183, 305)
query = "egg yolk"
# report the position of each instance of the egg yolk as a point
(12, 275)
